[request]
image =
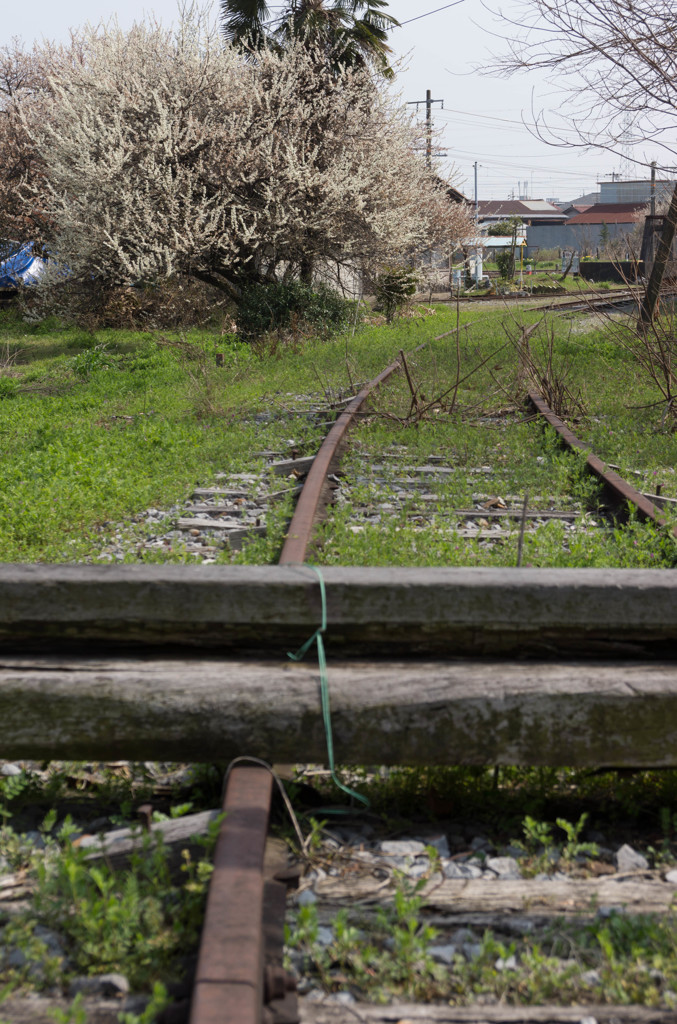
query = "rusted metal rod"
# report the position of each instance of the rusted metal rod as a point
(619, 489)
(229, 982)
(309, 503)
(305, 517)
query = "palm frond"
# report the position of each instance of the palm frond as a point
(243, 20)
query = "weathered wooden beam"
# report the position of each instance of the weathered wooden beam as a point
(619, 713)
(392, 612)
(532, 899)
(416, 1013)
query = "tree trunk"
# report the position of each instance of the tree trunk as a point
(307, 270)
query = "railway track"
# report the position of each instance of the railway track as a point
(240, 979)
(321, 483)
(562, 300)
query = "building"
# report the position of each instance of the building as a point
(613, 215)
(530, 211)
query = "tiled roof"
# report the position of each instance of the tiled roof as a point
(609, 213)
(516, 207)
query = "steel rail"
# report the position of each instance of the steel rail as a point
(309, 503)
(589, 300)
(233, 983)
(568, 298)
(617, 489)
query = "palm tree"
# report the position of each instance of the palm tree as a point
(355, 30)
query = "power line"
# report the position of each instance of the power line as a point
(506, 120)
(427, 15)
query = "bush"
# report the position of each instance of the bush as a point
(293, 307)
(172, 304)
(505, 261)
(393, 289)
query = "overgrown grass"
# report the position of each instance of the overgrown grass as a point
(616, 959)
(94, 429)
(481, 431)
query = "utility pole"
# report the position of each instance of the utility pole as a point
(653, 188)
(428, 124)
(477, 252)
(647, 309)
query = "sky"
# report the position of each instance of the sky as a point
(445, 48)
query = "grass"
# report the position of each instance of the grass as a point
(84, 917)
(95, 429)
(482, 434)
(617, 960)
(604, 955)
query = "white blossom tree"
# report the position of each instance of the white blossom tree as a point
(168, 154)
(21, 83)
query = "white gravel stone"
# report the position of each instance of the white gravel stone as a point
(507, 964)
(443, 954)
(452, 869)
(480, 843)
(604, 912)
(671, 877)
(306, 898)
(342, 998)
(52, 941)
(439, 843)
(10, 769)
(504, 867)
(628, 859)
(325, 936)
(419, 868)
(15, 958)
(114, 985)
(402, 847)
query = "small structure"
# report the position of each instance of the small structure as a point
(530, 211)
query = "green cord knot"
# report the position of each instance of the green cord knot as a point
(324, 686)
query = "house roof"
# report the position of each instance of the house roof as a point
(527, 209)
(575, 208)
(609, 213)
(454, 194)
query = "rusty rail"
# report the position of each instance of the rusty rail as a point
(239, 977)
(616, 489)
(310, 500)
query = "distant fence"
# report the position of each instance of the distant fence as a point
(610, 270)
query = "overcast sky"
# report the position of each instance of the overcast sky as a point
(482, 116)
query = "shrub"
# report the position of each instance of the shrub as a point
(171, 304)
(394, 288)
(292, 307)
(505, 261)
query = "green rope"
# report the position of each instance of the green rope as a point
(324, 687)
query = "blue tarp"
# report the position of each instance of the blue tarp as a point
(21, 267)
